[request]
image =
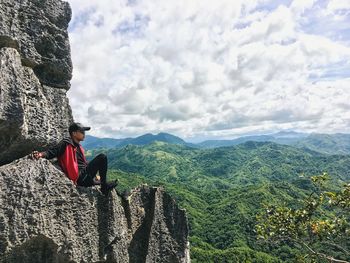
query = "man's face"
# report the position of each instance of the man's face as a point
(78, 135)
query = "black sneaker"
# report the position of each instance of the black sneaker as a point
(109, 187)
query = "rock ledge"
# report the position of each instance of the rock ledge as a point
(45, 218)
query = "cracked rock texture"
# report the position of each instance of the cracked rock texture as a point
(35, 69)
(45, 218)
(32, 115)
(38, 30)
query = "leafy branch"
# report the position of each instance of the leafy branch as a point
(322, 219)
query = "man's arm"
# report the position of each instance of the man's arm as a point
(53, 152)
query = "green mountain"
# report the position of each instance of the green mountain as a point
(226, 143)
(326, 143)
(224, 188)
(323, 143)
(92, 142)
(248, 163)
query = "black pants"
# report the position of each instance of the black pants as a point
(98, 164)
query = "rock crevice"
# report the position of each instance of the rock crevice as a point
(6, 41)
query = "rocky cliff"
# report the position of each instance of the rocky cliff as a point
(45, 218)
(35, 69)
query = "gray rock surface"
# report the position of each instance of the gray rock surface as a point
(32, 115)
(35, 70)
(38, 30)
(45, 218)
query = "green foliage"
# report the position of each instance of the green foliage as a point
(230, 255)
(321, 225)
(326, 143)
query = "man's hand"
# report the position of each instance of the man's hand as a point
(37, 155)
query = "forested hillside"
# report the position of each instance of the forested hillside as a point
(223, 189)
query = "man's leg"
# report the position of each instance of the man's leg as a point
(99, 164)
(86, 176)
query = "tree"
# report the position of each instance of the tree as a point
(319, 227)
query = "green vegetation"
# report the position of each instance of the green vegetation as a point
(223, 189)
(321, 225)
(326, 143)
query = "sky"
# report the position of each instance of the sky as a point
(202, 69)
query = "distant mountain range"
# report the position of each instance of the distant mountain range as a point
(282, 137)
(323, 143)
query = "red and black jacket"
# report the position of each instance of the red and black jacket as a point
(71, 157)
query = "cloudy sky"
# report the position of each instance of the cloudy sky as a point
(204, 69)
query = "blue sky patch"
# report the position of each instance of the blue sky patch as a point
(81, 19)
(132, 28)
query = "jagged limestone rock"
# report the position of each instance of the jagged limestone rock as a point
(35, 70)
(38, 30)
(32, 115)
(45, 218)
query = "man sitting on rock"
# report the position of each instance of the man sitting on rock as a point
(71, 158)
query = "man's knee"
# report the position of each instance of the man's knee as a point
(102, 157)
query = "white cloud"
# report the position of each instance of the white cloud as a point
(208, 68)
(299, 6)
(337, 5)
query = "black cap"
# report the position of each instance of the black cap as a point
(76, 126)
